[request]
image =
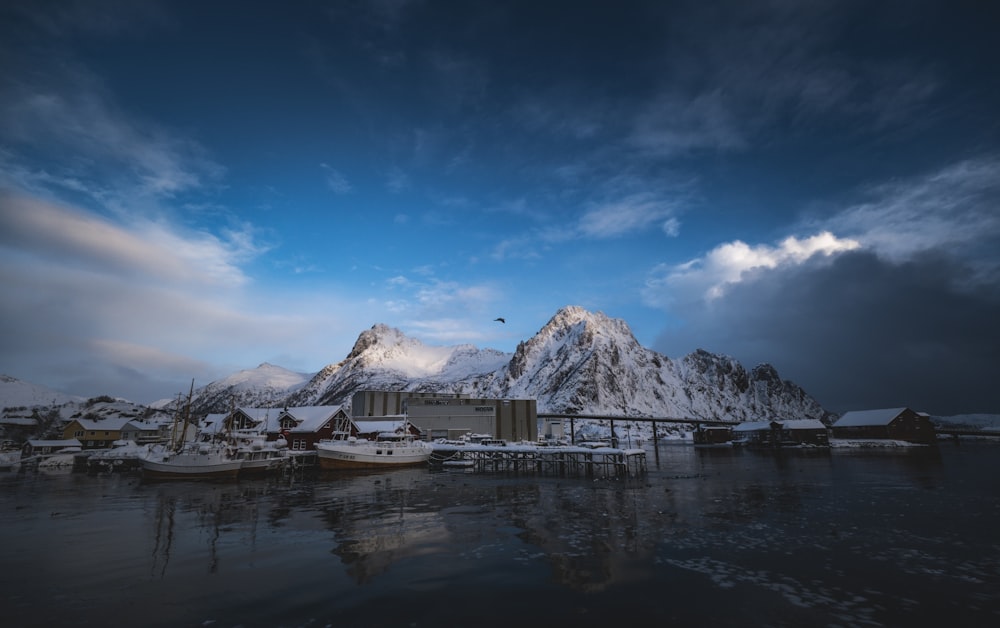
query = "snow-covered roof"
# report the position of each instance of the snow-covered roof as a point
(789, 424)
(803, 424)
(68, 442)
(311, 418)
(141, 426)
(370, 427)
(868, 417)
(111, 423)
(260, 414)
(752, 426)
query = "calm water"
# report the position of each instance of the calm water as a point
(708, 537)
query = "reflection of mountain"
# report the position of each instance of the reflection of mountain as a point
(380, 518)
(373, 546)
(589, 536)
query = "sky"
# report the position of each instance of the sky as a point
(190, 189)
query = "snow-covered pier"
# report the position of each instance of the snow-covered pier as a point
(529, 458)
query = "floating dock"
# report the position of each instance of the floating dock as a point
(559, 460)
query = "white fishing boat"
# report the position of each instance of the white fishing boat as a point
(183, 460)
(194, 461)
(388, 450)
(259, 456)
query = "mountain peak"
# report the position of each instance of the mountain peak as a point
(579, 361)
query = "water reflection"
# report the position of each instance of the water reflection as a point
(787, 539)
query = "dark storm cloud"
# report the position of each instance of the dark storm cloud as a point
(861, 332)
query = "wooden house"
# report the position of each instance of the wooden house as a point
(712, 435)
(784, 433)
(799, 432)
(143, 432)
(305, 426)
(242, 419)
(37, 447)
(757, 434)
(892, 423)
(95, 433)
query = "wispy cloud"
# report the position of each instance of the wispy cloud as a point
(628, 215)
(636, 213)
(335, 180)
(152, 250)
(396, 180)
(76, 126)
(677, 123)
(953, 209)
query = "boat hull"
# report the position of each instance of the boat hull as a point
(193, 466)
(364, 455)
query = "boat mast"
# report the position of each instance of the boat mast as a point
(173, 429)
(187, 417)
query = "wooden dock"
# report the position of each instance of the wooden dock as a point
(558, 460)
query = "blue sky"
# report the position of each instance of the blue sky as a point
(190, 189)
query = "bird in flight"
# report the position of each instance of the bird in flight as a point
(500, 319)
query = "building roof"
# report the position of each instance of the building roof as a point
(384, 425)
(68, 442)
(790, 424)
(108, 424)
(311, 418)
(752, 426)
(803, 424)
(865, 418)
(260, 414)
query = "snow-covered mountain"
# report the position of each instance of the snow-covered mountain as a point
(15, 393)
(383, 358)
(258, 387)
(579, 362)
(584, 362)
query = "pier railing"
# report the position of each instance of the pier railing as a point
(538, 459)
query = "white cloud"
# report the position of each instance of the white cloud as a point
(707, 277)
(671, 227)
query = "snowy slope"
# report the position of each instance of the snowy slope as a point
(258, 387)
(384, 358)
(15, 393)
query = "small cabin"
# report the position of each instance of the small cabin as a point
(38, 447)
(785, 433)
(892, 423)
(805, 432)
(712, 435)
(757, 434)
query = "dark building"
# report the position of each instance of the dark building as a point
(892, 423)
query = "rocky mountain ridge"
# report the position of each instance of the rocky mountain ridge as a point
(579, 362)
